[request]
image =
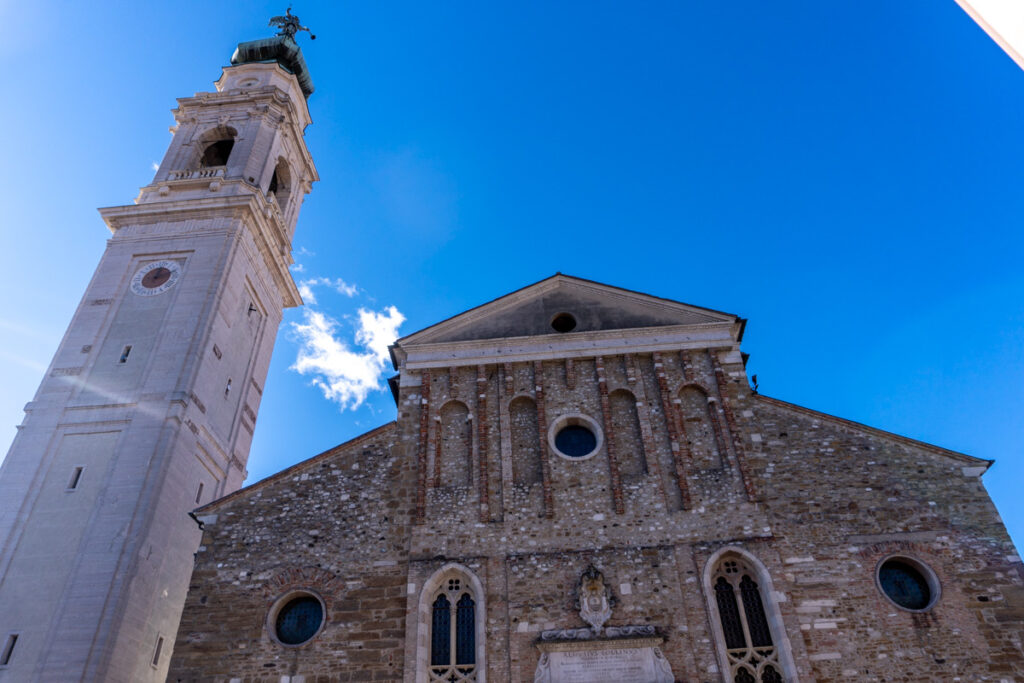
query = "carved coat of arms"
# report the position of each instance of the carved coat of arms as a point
(595, 599)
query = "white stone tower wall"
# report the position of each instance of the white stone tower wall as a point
(90, 578)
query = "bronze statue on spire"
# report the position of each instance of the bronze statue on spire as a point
(289, 25)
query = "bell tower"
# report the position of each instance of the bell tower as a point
(148, 407)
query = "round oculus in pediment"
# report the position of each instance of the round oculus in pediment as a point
(563, 322)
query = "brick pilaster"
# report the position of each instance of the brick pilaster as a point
(609, 439)
(730, 422)
(542, 428)
(686, 366)
(482, 441)
(570, 373)
(510, 381)
(674, 426)
(437, 451)
(453, 382)
(421, 451)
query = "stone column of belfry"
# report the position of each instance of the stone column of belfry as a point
(147, 409)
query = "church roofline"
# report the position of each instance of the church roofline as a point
(938, 450)
(212, 505)
(411, 338)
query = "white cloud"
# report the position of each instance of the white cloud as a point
(346, 375)
(156, 166)
(306, 292)
(298, 268)
(337, 284)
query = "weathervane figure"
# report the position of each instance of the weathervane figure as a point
(289, 25)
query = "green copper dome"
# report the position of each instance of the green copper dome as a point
(280, 49)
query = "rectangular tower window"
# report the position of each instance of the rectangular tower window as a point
(76, 476)
(124, 354)
(5, 656)
(199, 493)
(156, 650)
(227, 389)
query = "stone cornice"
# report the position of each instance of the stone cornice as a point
(251, 208)
(559, 346)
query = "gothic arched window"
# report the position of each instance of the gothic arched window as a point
(453, 631)
(743, 628)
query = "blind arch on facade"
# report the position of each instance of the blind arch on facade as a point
(456, 440)
(750, 636)
(525, 436)
(702, 429)
(629, 443)
(450, 627)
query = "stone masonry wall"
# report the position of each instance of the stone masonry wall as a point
(692, 463)
(817, 500)
(321, 526)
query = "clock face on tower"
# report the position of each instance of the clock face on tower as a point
(155, 277)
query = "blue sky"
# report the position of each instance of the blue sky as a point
(847, 176)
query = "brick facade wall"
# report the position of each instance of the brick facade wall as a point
(701, 464)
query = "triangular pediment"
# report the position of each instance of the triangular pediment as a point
(593, 307)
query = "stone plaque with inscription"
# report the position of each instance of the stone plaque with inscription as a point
(632, 660)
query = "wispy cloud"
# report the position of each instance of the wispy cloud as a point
(337, 284)
(346, 373)
(156, 166)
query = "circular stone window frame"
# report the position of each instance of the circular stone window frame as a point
(577, 419)
(279, 604)
(930, 578)
(564, 316)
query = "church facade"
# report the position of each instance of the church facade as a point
(581, 486)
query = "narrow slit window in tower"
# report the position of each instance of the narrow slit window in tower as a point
(156, 650)
(76, 477)
(5, 656)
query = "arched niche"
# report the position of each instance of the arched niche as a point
(629, 444)
(525, 436)
(455, 436)
(700, 422)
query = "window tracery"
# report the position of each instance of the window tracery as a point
(453, 632)
(750, 649)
